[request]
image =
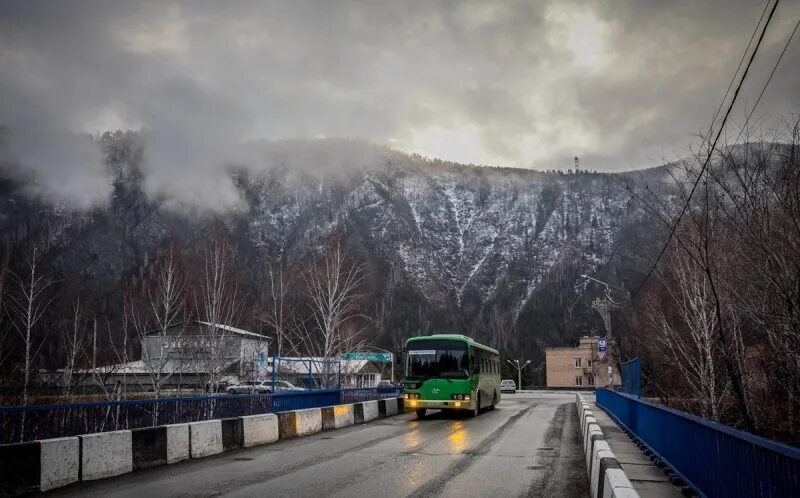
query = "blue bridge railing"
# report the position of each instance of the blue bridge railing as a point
(715, 460)
(29, 423)
(631, 372)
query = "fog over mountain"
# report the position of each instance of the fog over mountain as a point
(524, 84)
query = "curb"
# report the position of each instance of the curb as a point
(53, 463)
(606, 477)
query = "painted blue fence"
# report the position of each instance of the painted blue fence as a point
(716, 460)
(631, 372)
(29, 423)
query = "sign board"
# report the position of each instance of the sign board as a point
(601, 348)
(376, 357)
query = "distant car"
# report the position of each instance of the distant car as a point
(385, 386)
(508, 386)
(246, 387)
(283, 386)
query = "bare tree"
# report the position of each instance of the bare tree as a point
(334, 291)
(219, 306)
(279, 309)
(74, 340)
(687, 337)
(28, 305)
(5, 349)
(162, 311)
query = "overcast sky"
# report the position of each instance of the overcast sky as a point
(621, 84)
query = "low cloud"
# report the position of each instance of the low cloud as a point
(528, 84)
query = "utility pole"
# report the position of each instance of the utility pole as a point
(603, 306)
(519, 368)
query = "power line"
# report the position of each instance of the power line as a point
(710, 151)
(766, 84)
(736, 73)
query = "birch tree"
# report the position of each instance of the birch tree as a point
(333, 284)
(28, 305)
(278, 309)
(218, 305)
(154, 319)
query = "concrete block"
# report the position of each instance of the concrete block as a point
(391, 407)
(587, 438)
(588, 419)
(358, 413)
(598, 445)
(615, 479)
(20, 468)
(594, 437)
(381, 408)
(260, 429)
(370, 410)
(624, 493)
(177, 443)
(60, 460)
(308, 421)
(205, 438)
(232, 433)
(597, 469)
(299, 422)
(106, 454)
(335, 417)
(149, 447)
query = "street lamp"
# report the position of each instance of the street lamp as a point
(603, 306)
(519, 368)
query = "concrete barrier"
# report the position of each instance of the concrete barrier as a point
(606, 477)
(601, 460)
(61, 459)
(299, 422)
(391, 407)
(105, 454)
(616, 485)
(149, 447)
(358, 413)
(336, 417)
(232, 433)
(259, 429)
(371, 410)
(177, 443)
(38, 465)
(381, 408)
(205, 438)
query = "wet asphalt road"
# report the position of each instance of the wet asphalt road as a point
(529, 446)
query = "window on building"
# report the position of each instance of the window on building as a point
(590, 380)
(578, 381)
(577, 363)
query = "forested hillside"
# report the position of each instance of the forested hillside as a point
(490, 252)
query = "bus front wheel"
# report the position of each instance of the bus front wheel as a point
(477, 409)
(420, 413)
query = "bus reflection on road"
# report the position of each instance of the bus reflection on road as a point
(458, 438)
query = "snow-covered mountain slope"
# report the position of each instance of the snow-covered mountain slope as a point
(493, 252)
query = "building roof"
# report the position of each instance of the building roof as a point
(227, 328)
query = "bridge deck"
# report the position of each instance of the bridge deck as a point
(529, 446)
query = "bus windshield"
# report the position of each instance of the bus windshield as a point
(447, 359)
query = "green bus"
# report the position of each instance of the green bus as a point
(450, 372)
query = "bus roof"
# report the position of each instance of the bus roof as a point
(452, 337)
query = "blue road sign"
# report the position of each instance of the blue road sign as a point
(376, 357)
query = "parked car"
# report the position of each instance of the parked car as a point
(246, 387)
(385, 386)
(283, 386)
(508, 386)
